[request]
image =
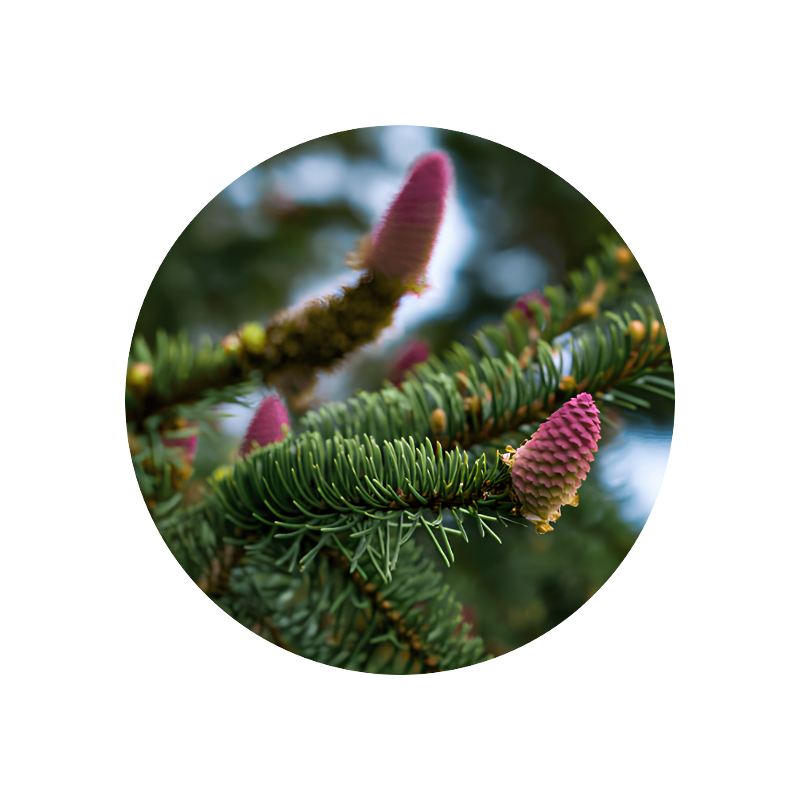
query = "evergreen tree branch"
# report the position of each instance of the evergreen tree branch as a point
(374, 497)
(347, 620)
(467, 398)
(315, 337)
(330, 612)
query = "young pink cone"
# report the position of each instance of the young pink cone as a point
(269, 424)
(413, 352)
(402, 243)
(188, 443)
(548, 469)
(469, 618)
(523, 304)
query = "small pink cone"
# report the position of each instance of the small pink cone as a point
(413, 352)
(270, 424)
(547, 471)
(402, 243)
(189, 445)
(523, 304)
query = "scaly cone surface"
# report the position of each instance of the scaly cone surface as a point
(548, 469)
(402, 243)
(269, 424)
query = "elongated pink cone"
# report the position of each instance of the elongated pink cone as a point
(189, 445)
(269, 424)
(548, 469)
(402, 243)
(413, 352)
(469, 618)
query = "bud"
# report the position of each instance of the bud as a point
(231, 343)
(254, 338)
(140, 377)
(623, 256)
(637, 331)
(548, 469)
(413, 352)
(402, 243)
(655, 329)
(222, 472)
(269, 424)
(438, 421)
(568, 384)
(588, 309)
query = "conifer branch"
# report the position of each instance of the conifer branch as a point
(392, 262)
(353, 619)
(311, 540)
(316, 337)
(376, 497)
(466, 398)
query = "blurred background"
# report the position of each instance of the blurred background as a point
(278, 236)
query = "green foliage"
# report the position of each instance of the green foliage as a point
(317, 336)
(353, 620)
(363, 499)
(312, 543)
(191, 535)
(185, 379)
(489, 393)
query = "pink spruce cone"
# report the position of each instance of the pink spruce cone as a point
(469, 619)
(402, 243)
(411, 353)
(269, 424)
(189, 445)
(548, 469)
(523, 304)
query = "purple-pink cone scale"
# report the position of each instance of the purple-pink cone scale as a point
(548, 469)
(402, 243)
(266, 426)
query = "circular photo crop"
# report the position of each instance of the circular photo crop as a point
(399, 400)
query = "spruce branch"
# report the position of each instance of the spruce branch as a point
(465, 398)
(610, 277)
(374, 497)
(311, 540)
(349, 619)
(317, 336)
(368, 500)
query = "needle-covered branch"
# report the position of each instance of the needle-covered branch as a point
(364, 499)
(465, 398)
(354, 620)
(296, 344)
